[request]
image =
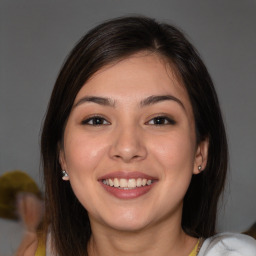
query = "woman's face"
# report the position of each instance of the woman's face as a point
(129, 144)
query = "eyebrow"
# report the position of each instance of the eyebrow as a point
(159, 98)
(145, 102)
(98, 100)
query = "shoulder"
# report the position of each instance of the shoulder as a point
(28, 245)
(231, 244)
(31, 250)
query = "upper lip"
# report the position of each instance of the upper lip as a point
(126, 175)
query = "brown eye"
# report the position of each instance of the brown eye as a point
(95, 121)
(161, 120)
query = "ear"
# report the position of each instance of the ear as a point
(201, 156)
(62, 159)
(63, 165)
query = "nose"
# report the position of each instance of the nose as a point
(128, 145)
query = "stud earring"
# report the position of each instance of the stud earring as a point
(199, 168)
(65, 175)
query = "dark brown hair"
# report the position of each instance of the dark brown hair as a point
(107, 43)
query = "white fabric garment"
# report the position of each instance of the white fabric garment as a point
(228, 244)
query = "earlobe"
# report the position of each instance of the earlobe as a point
(201, 156)
(65, 175)
(62, 162)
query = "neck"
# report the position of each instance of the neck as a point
(162, 239)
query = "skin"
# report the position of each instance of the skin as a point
(30, 210)
(128, 139)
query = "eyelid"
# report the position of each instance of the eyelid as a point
(86, 120)
(170, 120)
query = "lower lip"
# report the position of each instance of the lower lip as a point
(128, 193)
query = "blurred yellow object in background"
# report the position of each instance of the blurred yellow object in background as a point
(11, 184)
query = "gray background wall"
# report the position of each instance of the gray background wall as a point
(35, 37)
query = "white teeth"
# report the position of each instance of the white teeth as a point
(111, 183)
(127, 183)
(139, 182)
(131, 183)
(144, 182)
(123, 183)
(116, 183)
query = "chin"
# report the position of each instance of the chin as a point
(128, 226)
(130, 221)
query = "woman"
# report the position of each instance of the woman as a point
(134, 126)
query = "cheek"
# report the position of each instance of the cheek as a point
(175, 151)
(83, 154)
(175, 158)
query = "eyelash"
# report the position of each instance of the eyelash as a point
(94, 121)
(167, 121)
(99, 120)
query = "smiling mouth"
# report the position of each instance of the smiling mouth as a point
(127, 184)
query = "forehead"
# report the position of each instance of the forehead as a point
(134, 78)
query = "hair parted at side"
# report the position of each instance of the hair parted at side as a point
(109, 42)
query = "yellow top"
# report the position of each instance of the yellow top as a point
(196, 248)
(41, 251)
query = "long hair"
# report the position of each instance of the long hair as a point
(109, 42)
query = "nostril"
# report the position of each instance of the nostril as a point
(127, 148)
(127, 158)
